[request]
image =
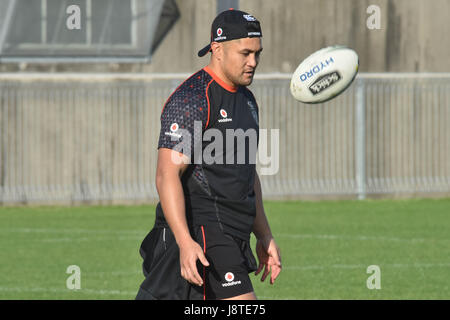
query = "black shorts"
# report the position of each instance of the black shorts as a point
(230, 262)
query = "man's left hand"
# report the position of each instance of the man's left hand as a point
(269, 258)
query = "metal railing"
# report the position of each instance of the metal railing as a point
(84, 137)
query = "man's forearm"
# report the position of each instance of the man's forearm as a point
(261, 227)
(171, 197)
(172, 200)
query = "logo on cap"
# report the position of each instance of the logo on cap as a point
(219, 37)
(249, 17)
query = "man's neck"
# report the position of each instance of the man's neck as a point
(220, 77)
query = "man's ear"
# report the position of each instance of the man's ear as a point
(217, 50)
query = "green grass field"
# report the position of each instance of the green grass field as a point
(326, 249)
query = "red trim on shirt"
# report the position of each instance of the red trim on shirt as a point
(209, 105)
(204, 271)
(220, 81)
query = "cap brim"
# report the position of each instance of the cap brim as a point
(204, 51)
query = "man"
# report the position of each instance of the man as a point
(199, 247)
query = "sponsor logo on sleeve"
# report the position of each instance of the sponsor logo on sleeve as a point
(173, 131)
(174, 127)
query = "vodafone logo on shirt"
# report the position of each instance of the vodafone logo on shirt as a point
(229, 277)
(224, 115)
(173, 129)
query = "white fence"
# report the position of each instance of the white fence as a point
(93, 137)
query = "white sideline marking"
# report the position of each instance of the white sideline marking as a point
(139, 235)
(88, 231)
(75, 239)
(129, 234)
(71, 235)
(356, 237)
(114, 273)
(58, 290)
(363, 266)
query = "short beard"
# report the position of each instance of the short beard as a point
(236, 80)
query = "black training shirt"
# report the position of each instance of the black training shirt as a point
(216, 126)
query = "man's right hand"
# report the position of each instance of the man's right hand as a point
(190, 252)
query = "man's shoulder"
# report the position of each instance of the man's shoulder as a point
(192, 89)
(189, 100)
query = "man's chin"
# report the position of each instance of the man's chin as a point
(246, 81)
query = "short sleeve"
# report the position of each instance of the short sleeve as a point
(183, 118)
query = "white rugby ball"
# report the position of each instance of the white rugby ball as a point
(324, 74)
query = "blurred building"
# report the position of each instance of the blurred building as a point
(80, 99)
(413, 34)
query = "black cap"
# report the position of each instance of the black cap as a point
(232, 24)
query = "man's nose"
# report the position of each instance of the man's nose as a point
(252, 60)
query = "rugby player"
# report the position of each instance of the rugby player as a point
(199, 246)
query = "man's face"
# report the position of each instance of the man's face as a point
(239, 59)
